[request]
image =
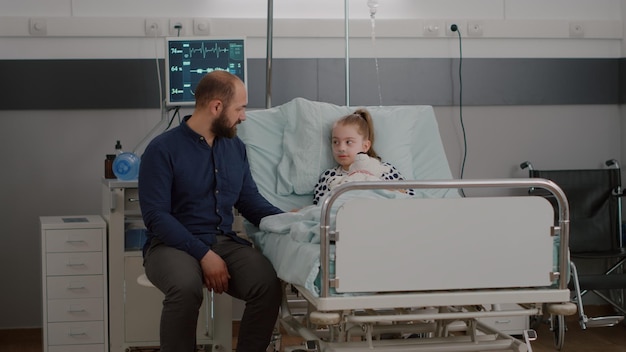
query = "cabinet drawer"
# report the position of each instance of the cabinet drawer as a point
(77, 348)
(74, 286)
(78, 333)
(74, 240)
(86, 309)
(74, 263)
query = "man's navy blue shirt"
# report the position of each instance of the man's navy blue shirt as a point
(187, 190)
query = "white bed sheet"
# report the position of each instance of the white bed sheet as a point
(292, 240)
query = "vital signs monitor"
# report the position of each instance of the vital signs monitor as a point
(188, 59)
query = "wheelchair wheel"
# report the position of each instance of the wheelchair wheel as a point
(557, 325)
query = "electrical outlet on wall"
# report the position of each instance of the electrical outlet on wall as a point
(432, 29)
(38, 26)
(201, 26)
(576, 30)
(178, 27)
(460, 25)
(475, 28)
(154, 27)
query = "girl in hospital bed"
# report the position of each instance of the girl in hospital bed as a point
(353, 149)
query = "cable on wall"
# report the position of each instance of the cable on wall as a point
(165, 120)
(176, 113)
(455, 28)
(158, 69)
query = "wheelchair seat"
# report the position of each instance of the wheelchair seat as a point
(595, 242)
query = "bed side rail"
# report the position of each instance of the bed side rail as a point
(470, 215)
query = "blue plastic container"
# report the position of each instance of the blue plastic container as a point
(134, 239)
(126, 166)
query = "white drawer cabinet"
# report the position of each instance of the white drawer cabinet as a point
(74, 283)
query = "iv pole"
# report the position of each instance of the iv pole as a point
(268, 55)
(347, 34)
(270, 39)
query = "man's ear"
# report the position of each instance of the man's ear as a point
(216, 106)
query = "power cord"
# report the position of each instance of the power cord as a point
(176, 113)
(158, 69)
(455, 28)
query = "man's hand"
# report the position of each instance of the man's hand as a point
(215, 272)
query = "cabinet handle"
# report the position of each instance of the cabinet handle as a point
(77, 332)
(70, 264)
(76, 286)
(75, 241)
(503, 321)
(75, 309)
(131, 200)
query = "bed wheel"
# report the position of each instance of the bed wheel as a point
(567, 308)
(324, 318)
(557, 325)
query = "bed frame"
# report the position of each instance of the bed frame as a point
(429, 266)
(503, 254)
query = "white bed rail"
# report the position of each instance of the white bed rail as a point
(327, 234)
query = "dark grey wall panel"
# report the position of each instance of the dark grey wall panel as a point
(540, 81)
(290, 78)
(402, 82)
(78, 84)
(132, 83)
(436, 81)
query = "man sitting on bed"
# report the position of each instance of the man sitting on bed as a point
(190, 179)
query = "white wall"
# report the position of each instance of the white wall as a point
(511, 28)
(53, 160)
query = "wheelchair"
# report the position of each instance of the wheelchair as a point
(596, 241)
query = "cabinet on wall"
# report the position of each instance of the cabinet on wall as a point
(74, 284)
(134, 310)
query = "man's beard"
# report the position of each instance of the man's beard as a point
(221, 128)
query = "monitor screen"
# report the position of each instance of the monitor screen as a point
(188, 59)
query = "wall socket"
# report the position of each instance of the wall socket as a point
(460, 28)
(174, 31)
(154, 27)
(432, 29)
(37, 26)
(201, 26)
(475, 28)
(576, 30)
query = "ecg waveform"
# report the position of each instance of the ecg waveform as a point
(203, 50)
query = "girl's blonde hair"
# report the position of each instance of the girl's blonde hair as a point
(362, 119)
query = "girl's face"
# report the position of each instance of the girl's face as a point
(347, 143)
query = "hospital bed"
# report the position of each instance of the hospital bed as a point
(374, 266)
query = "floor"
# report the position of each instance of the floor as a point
(607, 339)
